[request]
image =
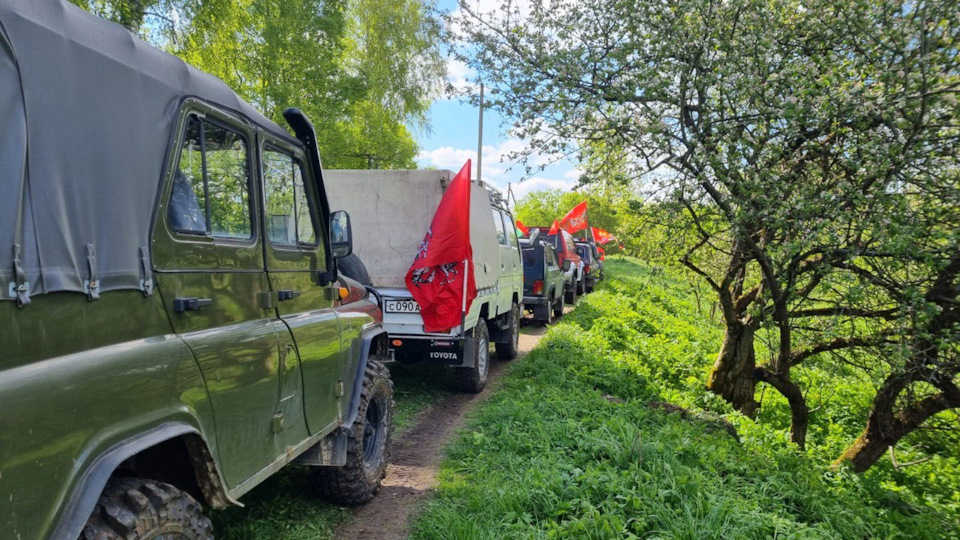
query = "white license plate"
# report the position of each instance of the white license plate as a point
(401, 306)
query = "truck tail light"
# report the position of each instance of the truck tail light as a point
(538, 287)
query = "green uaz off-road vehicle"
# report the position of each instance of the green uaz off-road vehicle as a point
(173, 326)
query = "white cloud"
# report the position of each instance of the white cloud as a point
(497, 164)
(461, 76)
(541, 184)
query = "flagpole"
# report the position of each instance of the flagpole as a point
(480, 137)
(463, 305)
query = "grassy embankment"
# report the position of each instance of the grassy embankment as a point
(284, 507)
(571, 447)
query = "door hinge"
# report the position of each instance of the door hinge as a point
(339, 390)
(278, 423)
(267, 299)
(331, 292)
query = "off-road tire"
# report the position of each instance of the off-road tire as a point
(549, 313)
(510, 349)
(145, 509)
(473, 379)
(581, 286)
(588, 288)
(352, 267)
(570, 295)
(558, 308)
(359, 479)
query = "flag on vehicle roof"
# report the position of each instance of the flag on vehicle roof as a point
(576, 219)
(524, 229)
(555, 228)
(601, 236)
(441, 278)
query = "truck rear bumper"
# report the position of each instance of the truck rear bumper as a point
(447, 351)
(529, 302)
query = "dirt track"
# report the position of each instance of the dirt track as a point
(413, 462)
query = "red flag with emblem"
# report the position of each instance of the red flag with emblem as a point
(441, 278)
(576, 219)
(523, 228)
(601, 236)
(555, 228)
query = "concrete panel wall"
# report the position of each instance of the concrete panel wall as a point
(390, 211)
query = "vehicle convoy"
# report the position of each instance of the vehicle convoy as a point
(592, 265)
(392, 211)
(566, 250)
(543, 279)
(174, 325)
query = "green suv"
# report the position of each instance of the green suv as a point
(173, 325)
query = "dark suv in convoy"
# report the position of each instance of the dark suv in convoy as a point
(592, 265)
(174, 325)
(543, 279)
(566, 249)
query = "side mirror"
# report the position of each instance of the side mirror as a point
(341, 236)
(566, 265)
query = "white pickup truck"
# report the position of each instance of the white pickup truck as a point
(390, 212)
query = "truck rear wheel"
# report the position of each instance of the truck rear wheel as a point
(544, 313)
(145, 509)
(473, 379)
(510, 349)
(558, 308)
(368, 444)
(570, 295)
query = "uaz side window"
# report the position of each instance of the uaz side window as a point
(289, 220)
(210, 192)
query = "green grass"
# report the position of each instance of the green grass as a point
(284, 508)
(570, 448)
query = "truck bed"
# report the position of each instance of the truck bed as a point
(390, 212)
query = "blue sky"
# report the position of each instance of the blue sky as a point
(453, 138)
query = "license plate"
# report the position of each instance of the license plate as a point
(401, 306)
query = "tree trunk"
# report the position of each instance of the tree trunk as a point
(885, 426)
(732, 376)
(799, 412)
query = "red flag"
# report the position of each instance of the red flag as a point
(576, 219)
(441, 278)
(603, 254)
(523, 229)
(555, 228)
(601, 236)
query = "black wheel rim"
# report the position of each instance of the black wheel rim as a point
(373, 434)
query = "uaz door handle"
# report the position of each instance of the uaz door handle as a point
(190, 304)
(287, 294)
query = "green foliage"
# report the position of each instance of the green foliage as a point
(570, 447)
(606, 206)
(364, 72)
(803, 156)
